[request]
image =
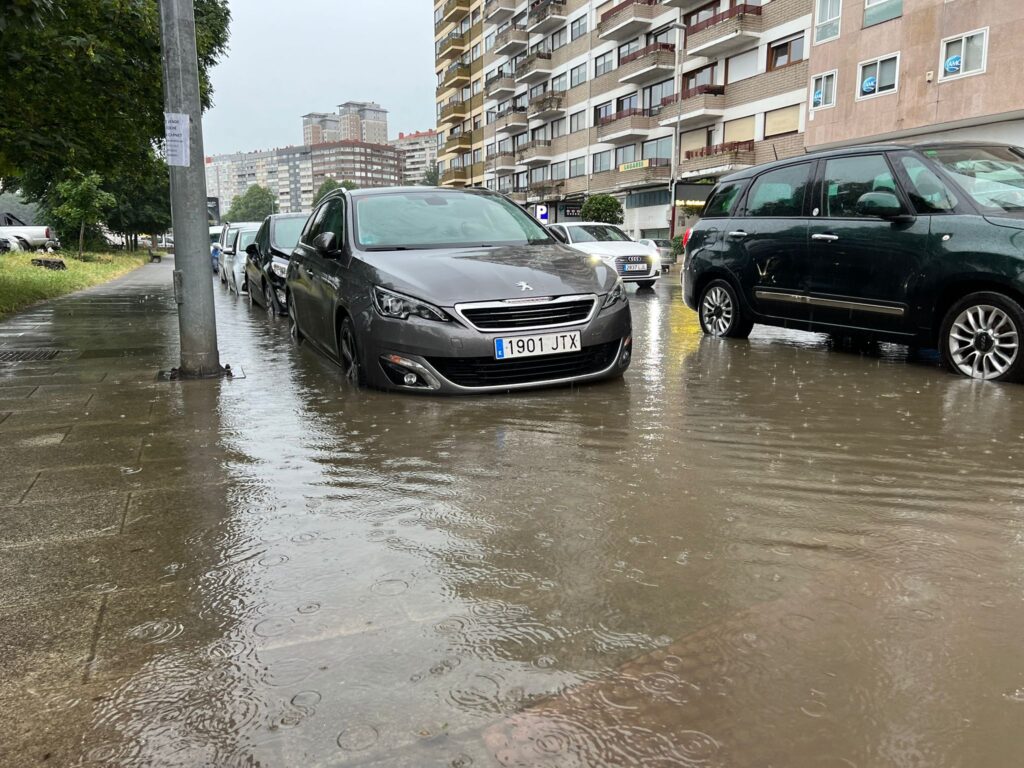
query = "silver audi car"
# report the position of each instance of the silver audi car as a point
(454, 292)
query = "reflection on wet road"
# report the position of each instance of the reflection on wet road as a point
(758, 553)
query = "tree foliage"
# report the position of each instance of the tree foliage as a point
(255, 204)
(80, 204)
(431, 177)
(330, 185)
(142, 197)
(81, 85)
(602, 208)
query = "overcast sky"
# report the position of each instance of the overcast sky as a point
(291, 57)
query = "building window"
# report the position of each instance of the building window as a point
(603, 161)
(827, 15)
(627, 48)
(560, 82)
(786, 52)
(559, 39)
(558, 128)
(657, 149)
(877, 11)
(878, 76)
(741, 129)
(626, 154)
(602, 111)
(779, 122)
(578, 75)
(964, 55)
(558, 170)
(577, 167)
(604, 63)
(578, 27)
(577, 121)
(823, 91)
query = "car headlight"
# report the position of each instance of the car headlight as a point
(281, 270)
(615, 295)
(391, 304)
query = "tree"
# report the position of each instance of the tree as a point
(255, 204)
(329, 185)
(431, 177)
(82, 202)
(603, 208)
(143, 204)
(84, 86)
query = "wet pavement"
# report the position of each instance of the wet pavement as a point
(764, 553)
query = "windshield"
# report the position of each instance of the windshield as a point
(442, 219)
(286, 232)
(247, 237)
(992, 176)
(597, 233)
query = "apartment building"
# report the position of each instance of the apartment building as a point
(366, 164)
(418, 152)
(365, 121)
(459, 61)
(602, 96)
(929, 69)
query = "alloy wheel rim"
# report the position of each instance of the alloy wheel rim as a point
(717, 311)
(984, 342)
(348, 353)
(268, 299)
(293, 324)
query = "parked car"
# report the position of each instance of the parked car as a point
(215, 247)
(266, 263)
(236, 279)
(228, 242)
(452, 291)
(920, 244)
(665, 252)
(634, 262)
(28, 238)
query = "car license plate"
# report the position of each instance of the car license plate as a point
(635, 268)
(539, 344)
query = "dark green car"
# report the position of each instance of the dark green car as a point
(918, 244)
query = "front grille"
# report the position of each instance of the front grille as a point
(488, 372)
(514, 317)
(622, 261)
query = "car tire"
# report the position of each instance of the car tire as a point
(293, 323)
(720, 312)
(270, 303)
(248, 292)
(348, 353)
(981, 337)
(645, 284)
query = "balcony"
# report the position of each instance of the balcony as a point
(517, 196)
(726, 155)
(510, 120)
(451, 47)
(534, 68)
(499, 11)
(648, 65)
(546, 106)
(455, 11)
(701, 105)
(510, 42)
(534, 153)
(728, 32)
(546, 16)
(627, 126)
(500, 87)
(461, 142)
(453, 112)
(640, 173)
(686, 5)
(502, 162)
(455, 177)
(627, 20)
(456, 76)
(549, 189)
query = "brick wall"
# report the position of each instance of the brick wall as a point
(767, 84)
(786, 146)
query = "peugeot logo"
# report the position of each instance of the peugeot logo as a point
(524, 286)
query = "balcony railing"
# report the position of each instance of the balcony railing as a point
(458, 141)
(499, 10)
(455, 175)
(546, 188)
(452, 44)
(455, 10)
(454, 109)
(509, 118)
(689, 93)
(615, 9)
(737, 10)
(647, 51)
(511, 41)
(634, 112)
(455, 74)
(545, 14)
(726, 148)
(500, 84)
(546, 104)
(533, 150)
(534, 64)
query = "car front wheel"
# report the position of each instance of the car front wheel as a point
(348, 352)
(720, 312)
(981, 337)
(269, 302)
(293, 323)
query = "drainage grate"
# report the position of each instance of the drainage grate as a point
(25, 355)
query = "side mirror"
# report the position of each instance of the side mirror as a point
(251, 250)
(884, 205)
(557, 234)
(325, 243)
(229, 251)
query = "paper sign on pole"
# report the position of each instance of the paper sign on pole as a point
(176, 129)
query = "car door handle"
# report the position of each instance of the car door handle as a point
(738, 234)
(826, 238)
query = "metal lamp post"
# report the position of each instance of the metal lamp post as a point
(680, 40)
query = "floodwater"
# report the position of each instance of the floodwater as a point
(764, 553)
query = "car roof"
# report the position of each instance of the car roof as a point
(857, 150)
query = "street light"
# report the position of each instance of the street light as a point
(680, 39)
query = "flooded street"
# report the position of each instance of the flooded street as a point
(763, 553)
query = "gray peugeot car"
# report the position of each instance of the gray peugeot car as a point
(452, 291)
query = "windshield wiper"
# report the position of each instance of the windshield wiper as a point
(379, 248)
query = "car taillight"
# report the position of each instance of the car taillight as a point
(686, 236)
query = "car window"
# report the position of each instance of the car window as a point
(779, 192)
(722, 200)
(927, 191)
(598, 233)
(334, 221)
(992, 176)
(847, 179)
(315, 226)
(286, 232)
(245, 238)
